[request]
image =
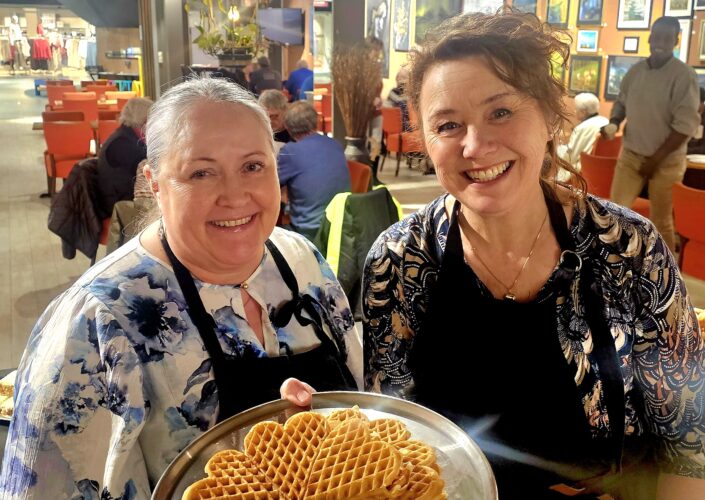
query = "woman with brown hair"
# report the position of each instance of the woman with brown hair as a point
(552, 325)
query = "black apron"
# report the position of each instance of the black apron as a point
(247, 381)
(496, 368)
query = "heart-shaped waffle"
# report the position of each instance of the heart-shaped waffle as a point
(285, 453)
(339, 416)
(415, 452)
(424, 484)
(231, 474)
(389, 430)
(351, 464)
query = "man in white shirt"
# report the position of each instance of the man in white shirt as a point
(585, 133)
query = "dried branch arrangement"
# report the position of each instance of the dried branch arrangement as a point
(356, 82)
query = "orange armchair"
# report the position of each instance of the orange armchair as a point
(56, 93)
(105, 130)
(67, 143)
(360, 176)
(598, 171)
(395, 139)
(604, 147)
(689, 212)
(87, 102)
(100, 90)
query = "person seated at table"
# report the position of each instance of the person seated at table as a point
(296, 80)
(397, 97)
(275, 103)
(120, 154)
(313, 169)
(264, 77)
(584, 135)
(195, 320)
(553, 326)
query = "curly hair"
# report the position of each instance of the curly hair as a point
(522, 51)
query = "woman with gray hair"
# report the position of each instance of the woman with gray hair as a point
(119, 156)
(203, 315)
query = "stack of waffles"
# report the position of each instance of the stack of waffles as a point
(342, 456)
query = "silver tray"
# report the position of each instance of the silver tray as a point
(465, 470)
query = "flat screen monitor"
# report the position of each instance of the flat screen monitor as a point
(285, 26)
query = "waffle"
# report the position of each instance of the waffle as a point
(415, 452)
(231, 474)
(285, 453)
(424, 484)
(351, 463)
(340, 416)
(389, 430)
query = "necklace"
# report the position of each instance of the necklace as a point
(509, 294)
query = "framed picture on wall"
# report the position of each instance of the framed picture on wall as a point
(678, 8)
(631, 45)
(700, 72)
(699, 4)
(431, 13)
(584, 74)
(681, 50)
(589, 12)
(484, 6)
(587, 41)
(617, 67)
(378, 27)
(402, 23)
(528, 6)
(557, 12)
(634, 14)
(701, 52)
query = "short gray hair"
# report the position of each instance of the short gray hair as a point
(301, 119)
(135, 112)
(166, 119)
(587, 103)
(273, 99)
(303, 63)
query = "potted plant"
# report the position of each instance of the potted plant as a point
(226, 31)
(355, 93)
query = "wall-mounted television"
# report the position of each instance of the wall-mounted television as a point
(285, 26)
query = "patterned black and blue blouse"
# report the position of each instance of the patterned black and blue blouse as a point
(643, 298)
(115, 380)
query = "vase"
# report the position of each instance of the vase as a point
(356, 149)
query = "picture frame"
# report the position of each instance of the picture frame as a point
(678, 8)
(681, 50)
(557, 12)
(401, 26)
(590, 12)
(587, 41)
(528, 6)
(630, 45)
(377, 26)
(484, 6)
(431, 13)
(699, 5)
(617, 67)
(584, 74)
(701, 52)
(700, 73)
(634, 14)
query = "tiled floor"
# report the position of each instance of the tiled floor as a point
(32, 269)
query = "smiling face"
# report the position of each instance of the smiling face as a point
(219, 192)
(487, 140)
(662, 41)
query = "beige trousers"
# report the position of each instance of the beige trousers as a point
(628, 183)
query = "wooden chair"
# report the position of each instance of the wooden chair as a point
(67, 143)
(86, 83)
(360, 176)
(62, 116)
(100, 90)
(604, 147)
(60, 83)
(323, 104)
(105, 130)
(82, 101)
(108, 114)
(395, 139)
(56, 93)
(598, 171)
(689, 213)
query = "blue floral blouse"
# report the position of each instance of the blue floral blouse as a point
(113, 382)
(644, 301)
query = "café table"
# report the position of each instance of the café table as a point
(695, 172)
